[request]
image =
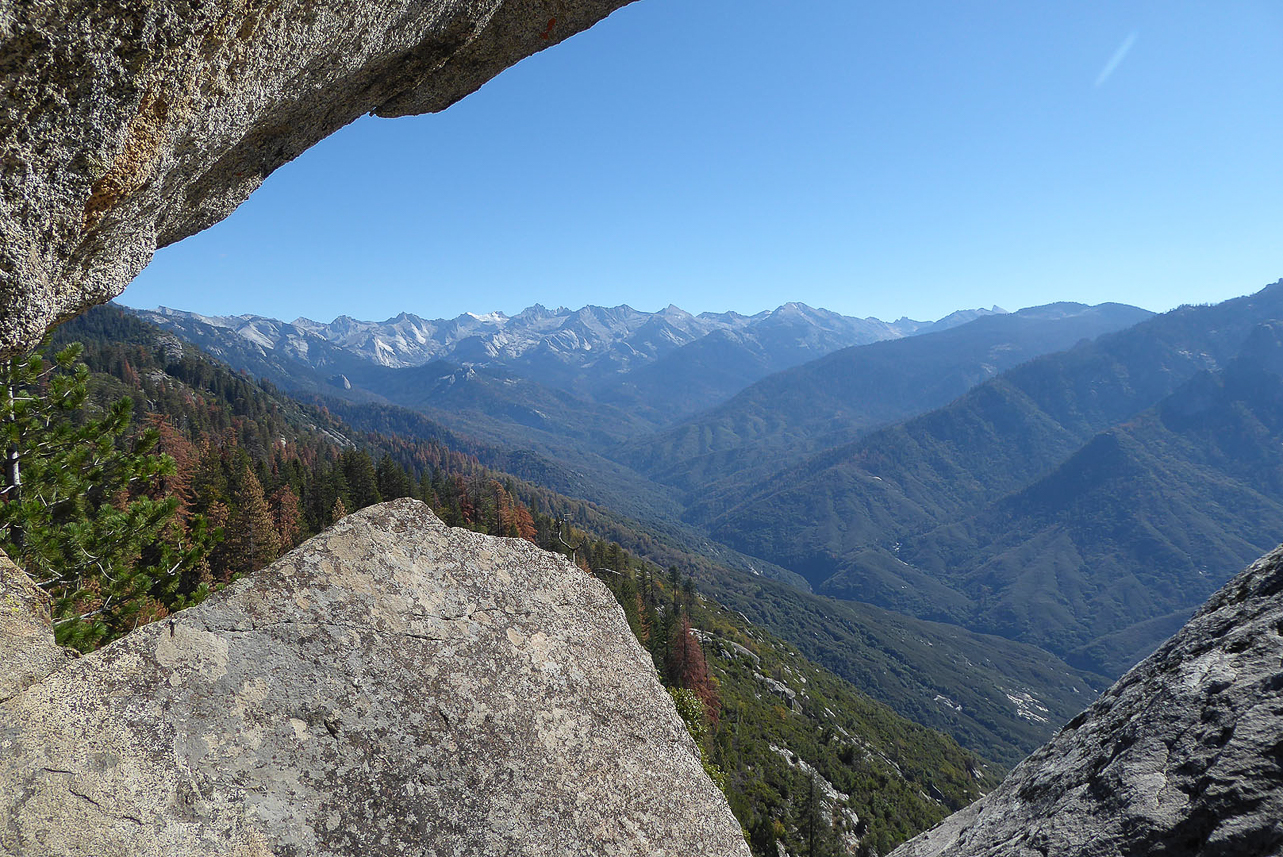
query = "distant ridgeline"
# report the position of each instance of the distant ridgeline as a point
(808, 761)
(521, 415)
(1085, 501)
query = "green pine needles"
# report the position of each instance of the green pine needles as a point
(84, 508)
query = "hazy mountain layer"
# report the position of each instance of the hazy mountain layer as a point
(829, 401)
(557, 383)
(914, 517)
(661, 365)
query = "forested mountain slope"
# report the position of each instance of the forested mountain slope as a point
(830, 401)
(846, 517)
(1135, 529)
(774, 722)
(515, 391)
(986, 691)
(887, 656)
(491, 404)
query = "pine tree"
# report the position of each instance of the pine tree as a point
(209, 481)
(362, 480)
(688, 668)
(185, 456)
(525, 524)
(252, 540)
(287, 514)
(642, 629)
(77, 514)
(467, 510)
(815, 822)
(392, 480)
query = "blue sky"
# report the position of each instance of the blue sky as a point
(884, 159)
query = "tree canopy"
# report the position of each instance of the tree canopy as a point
(83, 511)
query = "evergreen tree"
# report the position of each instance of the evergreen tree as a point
(525, 524)
(253, 541)
(77, 514)
(287, 514)
(815, 822)
(209, 482)
(362, 480)
(642, 629)
(185, 455)
(688, 668)
(392, 480)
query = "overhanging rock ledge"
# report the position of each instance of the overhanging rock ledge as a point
(126, 125)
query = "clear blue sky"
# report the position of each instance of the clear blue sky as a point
(873, 158)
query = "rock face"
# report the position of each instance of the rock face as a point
(391, 687)
(1183, 756)
(128, 126)
(27, 650)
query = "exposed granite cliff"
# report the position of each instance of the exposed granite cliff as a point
(393, 686)
(126, 126)
(1183, 756)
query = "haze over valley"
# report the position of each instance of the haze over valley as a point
(1037, 475)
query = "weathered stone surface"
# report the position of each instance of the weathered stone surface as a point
(27, 650)
(391, 687)
(1183, 756)
(125, 125)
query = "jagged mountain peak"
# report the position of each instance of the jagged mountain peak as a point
(794, 308)
(590, 347)
(493, 317)
(536, 312)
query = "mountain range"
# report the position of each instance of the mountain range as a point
(1072, 478)
(833, 399)
(1027, 506)
(654, 361)
(591, 339)
(589, 389)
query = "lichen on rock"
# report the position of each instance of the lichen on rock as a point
(27, 650)
(393, 686)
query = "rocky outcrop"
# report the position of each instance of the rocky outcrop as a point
(27, 650)
(126, 126)
(1183, 756)
(391, 687)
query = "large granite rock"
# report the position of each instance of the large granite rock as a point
(391, 687)
(125, 126)
(27, 650)
(1183, 756)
